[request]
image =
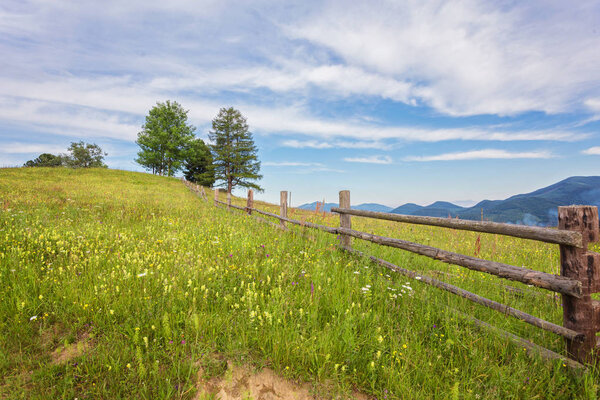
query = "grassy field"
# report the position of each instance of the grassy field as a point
(125, 285)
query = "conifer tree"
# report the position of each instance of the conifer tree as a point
(199, 164)
(234, 153)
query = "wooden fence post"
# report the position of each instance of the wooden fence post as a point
(581, 315)
(250, 202)
(228, 200)
(345, 219)
(283, 206)
(216, 196)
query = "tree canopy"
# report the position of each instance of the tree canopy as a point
(198, 164)
(234, 152)
(165, 138)
(81, 155)
(85, 155)
(45, 160)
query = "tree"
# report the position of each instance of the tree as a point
(46, 160)
(234, 152)
(199, 164)
(85, 155)
(164, 138)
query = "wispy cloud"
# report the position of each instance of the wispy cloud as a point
(592, 151)
(344, 144)
(472, 57)
(26, 148)
(370, 160)
(481, 155)
(290, 164)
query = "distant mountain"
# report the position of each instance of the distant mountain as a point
(313, 206)
(407, 209)
(372, 207)
(365, 206)
(437, 209)
(536, 208)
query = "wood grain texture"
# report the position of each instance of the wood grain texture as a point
(530, 319)
(345, 219)
(578, 263)
(548, 235)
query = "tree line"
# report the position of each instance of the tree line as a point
(168, 145)
(81, 155)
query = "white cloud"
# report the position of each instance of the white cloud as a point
(290, 164)
(592, 151)
(481, 155)
(370, 160)
(25, 148)
(468, 57)
(314, 144)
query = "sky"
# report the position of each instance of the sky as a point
(411, 101)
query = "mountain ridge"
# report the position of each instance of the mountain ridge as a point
(539, 207)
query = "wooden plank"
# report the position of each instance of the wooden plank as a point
(578, 263)
(530, 319)
(283, 207)
(532, 348)
(547, 235)
(544, 280)
(569, 286)
(345, 219)
(250, 202)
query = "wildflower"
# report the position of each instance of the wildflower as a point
(111, 312)
(40, 297)
(128, 365)
(380, 339)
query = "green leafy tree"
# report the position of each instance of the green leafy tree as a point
(198, 164)
(85, 155)
(234, 152)
(46, 160)
(164, 138)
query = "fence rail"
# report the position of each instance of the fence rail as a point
(548, 235)
(580, 268)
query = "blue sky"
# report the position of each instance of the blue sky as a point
(396, 101)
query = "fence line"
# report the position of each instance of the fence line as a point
(580, 269)
(548, 235)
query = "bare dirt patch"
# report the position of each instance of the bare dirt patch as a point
(245, 383)
(68, 352)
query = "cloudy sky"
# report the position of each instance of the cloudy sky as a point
(411, 101)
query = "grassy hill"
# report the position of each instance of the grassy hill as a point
(126, 285)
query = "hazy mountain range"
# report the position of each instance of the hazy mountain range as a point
(535, 208)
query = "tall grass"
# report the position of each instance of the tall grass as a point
(156, 282)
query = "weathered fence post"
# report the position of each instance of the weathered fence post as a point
(216, 196)
(345, 219)
(283, 206)
(250, 202)
(581, 314)
(228, 200)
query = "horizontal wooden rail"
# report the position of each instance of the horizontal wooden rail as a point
(544, 280)
(540, 279)
(532, 348)
(548, 235)
(530, 319)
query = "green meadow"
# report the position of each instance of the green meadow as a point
(122, 285)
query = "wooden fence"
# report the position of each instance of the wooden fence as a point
(580, 269)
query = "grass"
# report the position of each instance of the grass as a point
(144, 283)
